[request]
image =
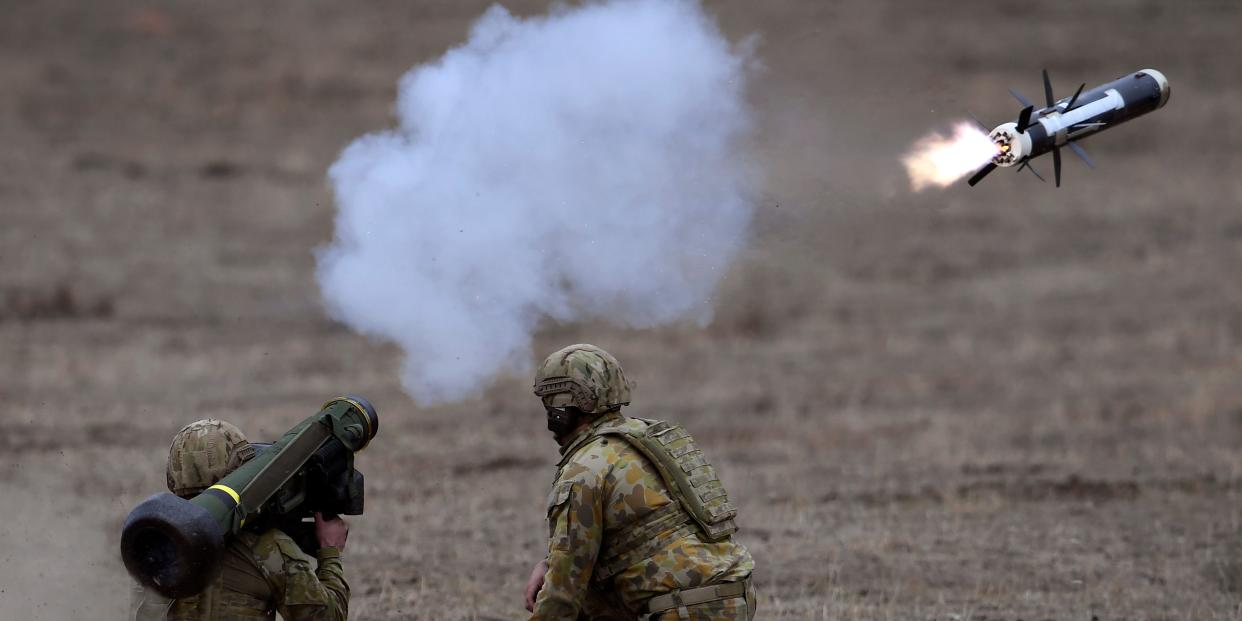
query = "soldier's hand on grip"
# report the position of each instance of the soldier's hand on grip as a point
(331, 533)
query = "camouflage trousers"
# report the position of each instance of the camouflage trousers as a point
(600, 606)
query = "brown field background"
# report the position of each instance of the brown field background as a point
(1006, 402)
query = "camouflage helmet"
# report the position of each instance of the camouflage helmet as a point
(592, 377)
(202, 453)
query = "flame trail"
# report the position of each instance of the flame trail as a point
(937, 159)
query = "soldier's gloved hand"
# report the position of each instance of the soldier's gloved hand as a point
(331, 533)
(535, 583)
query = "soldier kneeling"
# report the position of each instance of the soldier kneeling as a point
(640, 526)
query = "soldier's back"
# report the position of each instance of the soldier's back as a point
(650, 545)
(242, 591)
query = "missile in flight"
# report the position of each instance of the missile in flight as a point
(1062, 122)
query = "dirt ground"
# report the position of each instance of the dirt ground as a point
(1007, 402)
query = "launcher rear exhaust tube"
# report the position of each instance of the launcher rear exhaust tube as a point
(175, 545)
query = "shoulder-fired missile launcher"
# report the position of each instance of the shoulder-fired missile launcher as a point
(175, 545)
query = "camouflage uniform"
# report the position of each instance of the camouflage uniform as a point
(618, 537)
(264, 573)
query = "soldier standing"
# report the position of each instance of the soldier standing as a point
(264, 572)
(639, 525)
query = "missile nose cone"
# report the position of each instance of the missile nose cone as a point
(369, 423)
(1162, 81)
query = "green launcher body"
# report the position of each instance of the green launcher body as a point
(175, 545)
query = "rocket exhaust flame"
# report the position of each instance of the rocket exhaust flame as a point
(939, 160)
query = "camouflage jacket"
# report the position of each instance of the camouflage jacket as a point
(263, 574)
(603, 486)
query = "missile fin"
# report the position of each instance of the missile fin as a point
(1070, 106)
(1048, 89)
(1024, 119)
(1027, 165)
(983, 172)
(1022, 100)
(1056, 164)
(1082, 154)
(980, 123)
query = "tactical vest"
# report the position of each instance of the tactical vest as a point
(690, 479)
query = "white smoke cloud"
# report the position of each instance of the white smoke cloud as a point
(588, 164)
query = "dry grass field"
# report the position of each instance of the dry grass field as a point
(1006, 402)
